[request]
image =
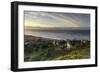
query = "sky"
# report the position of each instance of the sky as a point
(56, 19)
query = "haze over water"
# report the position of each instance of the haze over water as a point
(56, 25)
(60, 34)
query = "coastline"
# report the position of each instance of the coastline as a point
(43, 49)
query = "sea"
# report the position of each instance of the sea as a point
(60, 34)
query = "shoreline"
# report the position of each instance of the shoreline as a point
(53, 38)
(43, 49)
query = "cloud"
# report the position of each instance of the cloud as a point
(54, 19)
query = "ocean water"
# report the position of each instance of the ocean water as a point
(61, 34)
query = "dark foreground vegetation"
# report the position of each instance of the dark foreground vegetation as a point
(43, 49)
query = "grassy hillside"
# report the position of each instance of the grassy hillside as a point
(43, 49)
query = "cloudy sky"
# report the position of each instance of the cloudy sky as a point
(55, 19)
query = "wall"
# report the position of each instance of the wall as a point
(5, 35)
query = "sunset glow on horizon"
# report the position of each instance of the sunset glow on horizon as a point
(55, 19)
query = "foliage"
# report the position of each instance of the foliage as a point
(46, 50)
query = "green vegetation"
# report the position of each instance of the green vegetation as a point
(42, 49)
